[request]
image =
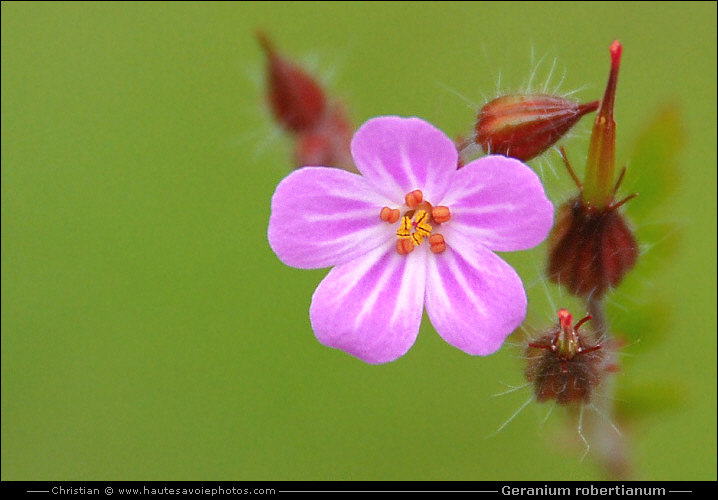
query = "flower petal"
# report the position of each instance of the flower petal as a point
(398, 155)
(474, 300)
(325, 216)
(500, 203)
(371, 307)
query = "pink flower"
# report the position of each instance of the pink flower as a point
(411, 232)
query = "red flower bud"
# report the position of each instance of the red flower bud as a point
(296, 99)
(524, 126)
(321, 127)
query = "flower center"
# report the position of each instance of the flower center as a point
(416, 223)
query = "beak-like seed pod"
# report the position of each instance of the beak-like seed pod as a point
(591, 246)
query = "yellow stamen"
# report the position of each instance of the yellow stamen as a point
(423, 228)
(418, 224)
(404, 231)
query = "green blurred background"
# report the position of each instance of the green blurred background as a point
(149, 332)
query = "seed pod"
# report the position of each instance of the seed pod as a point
(590, 248)
(563, 365)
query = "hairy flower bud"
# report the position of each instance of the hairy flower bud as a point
(524, 126)
(320, 126)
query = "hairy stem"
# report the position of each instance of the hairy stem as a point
(608, 442)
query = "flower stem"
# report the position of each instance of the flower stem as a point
(608, 442)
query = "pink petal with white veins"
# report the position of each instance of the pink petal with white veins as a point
(325, 216)
(398, 155)
(474, 299)
(499, 203)
(371, 307)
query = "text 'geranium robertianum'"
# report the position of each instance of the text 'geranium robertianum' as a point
(410, 232)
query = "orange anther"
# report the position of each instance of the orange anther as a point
(438, 248)
(435, 239)
(440, 214)
(414, 198)
(389, 215)
(404, 246)
(437, 243)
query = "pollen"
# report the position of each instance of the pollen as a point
(423, 228)
(404, 232)
(412, 231)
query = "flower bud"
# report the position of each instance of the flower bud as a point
(296, 99)
(321, 128)
(563, 365)
(524, 126)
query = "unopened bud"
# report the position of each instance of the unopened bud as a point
(524, 126)
(296, 99)
(321, 126)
